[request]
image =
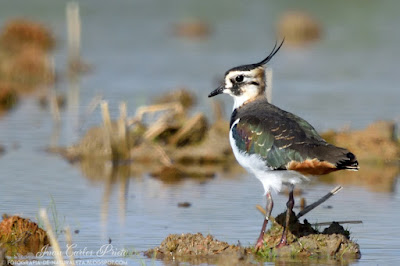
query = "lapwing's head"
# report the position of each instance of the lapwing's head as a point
(245, 82)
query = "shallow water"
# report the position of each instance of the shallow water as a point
(348, 78)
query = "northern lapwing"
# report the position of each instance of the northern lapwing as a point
(278, 147)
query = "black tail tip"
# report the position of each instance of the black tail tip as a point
(349, 163)
(351, 156)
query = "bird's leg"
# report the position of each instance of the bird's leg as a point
(268, 208)
(289, 209)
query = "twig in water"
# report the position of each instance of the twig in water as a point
(262, 210)
(74, 32)
(118, 143)
(107, 122)
(54, 108)
(320, 201)
(339, 222)
(165, 160)
(141, 111)
(123, 140)
(90, 109)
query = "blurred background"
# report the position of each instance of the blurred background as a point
(338, 69)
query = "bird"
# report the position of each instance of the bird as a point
(277, 147)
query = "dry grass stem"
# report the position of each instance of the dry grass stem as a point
(52, 237)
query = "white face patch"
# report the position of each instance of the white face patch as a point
(245, 90)
(228, 82)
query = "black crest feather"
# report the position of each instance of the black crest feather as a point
(263, 62)
(273, 52)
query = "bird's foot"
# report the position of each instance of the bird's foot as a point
(259, 244)
(282, 243)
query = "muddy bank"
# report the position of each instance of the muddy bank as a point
(20, 236)
(305, 244)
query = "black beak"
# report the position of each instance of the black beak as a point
(217, 91)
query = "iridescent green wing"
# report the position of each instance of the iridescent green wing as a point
(269, 138)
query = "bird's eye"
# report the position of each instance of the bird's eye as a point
(239, 78)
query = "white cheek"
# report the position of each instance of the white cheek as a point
(251, 91)
(228, 84)
(227, 91)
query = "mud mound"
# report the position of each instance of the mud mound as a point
(21, 32)
(299, 28)
(8, 97)
(25, 67)
(192, 29)
(21, 236)
(182, 96)
(197, 249)
(305, 241)
(27, 70)
(376, 143)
